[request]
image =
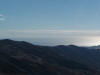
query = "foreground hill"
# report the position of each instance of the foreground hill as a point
(22, 58)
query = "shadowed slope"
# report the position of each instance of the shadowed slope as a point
(18, 57)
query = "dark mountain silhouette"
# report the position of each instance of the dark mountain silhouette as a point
(22, 58)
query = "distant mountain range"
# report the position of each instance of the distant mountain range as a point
(94, 47)
(22, 58)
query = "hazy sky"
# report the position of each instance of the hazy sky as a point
(51, 22)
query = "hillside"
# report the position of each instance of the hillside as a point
(22, 58)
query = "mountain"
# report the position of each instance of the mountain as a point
(94, 47)
(22, 58)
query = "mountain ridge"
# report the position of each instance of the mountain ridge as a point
(24, 57)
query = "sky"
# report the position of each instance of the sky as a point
(51, 22)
